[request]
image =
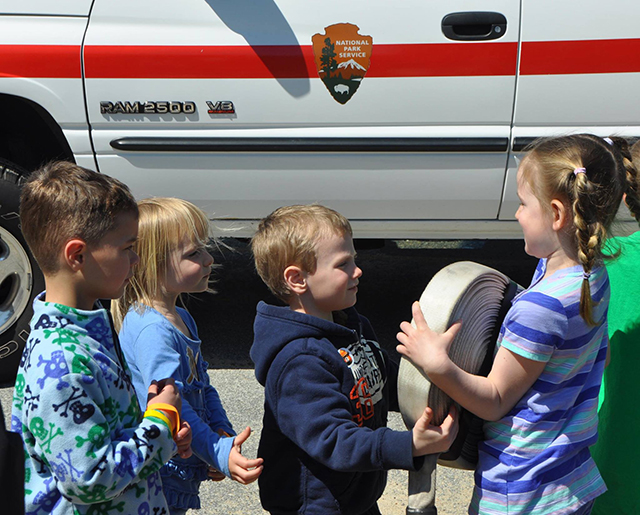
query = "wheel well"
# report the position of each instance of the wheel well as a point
(32, 137)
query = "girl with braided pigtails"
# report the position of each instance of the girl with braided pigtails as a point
(540, 398)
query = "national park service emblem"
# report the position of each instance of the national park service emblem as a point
(342, 58)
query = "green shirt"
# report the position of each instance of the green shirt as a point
(617, 452)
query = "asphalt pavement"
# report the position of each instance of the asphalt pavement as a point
(242, 398)
(393, 276)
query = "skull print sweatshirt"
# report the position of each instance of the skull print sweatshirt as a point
(88, 447)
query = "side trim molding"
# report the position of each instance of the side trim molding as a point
(177, 144)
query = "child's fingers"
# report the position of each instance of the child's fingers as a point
(452, 417)
(251, 464)
(183, 440)
(167, 383)
(152, 390)
(184, 432)
(450, 424)
(246, 477)
(424, 421)
(238, 461)
(406, 347)
(242, 437)
(427, 415)
(402, 337)
(418, 317)
(453, 330)
(406, 327)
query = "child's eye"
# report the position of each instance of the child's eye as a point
(196, 252)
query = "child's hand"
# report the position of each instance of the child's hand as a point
(243, 470)
(215, 475)
(424, 347)
(428, 439)
(183, 440)
(165, 391)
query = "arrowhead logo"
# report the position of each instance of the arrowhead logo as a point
(342, 59)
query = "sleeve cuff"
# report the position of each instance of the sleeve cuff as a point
(397, 450)
(222, 450)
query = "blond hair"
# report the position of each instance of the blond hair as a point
(164, 224)
(288, 236)
(62, 201)
(593, 197)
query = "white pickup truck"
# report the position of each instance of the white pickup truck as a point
(407, 117)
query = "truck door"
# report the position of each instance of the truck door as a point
(579, 72)
(397, 116)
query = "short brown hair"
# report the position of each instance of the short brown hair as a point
(61, 201)
(288, 236)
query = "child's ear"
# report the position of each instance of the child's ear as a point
(295, 279)
(75, 254)
(560, 214)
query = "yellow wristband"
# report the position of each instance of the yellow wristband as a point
(161, 416)
(166, 407)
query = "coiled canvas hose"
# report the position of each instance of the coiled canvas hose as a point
(479, 296)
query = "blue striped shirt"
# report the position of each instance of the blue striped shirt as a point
(536, 459)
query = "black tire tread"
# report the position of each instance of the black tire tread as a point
(13, 177)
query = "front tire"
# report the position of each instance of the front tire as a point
(20, 278)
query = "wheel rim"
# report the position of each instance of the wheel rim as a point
(16, 280)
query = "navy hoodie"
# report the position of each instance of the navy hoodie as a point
(328, 388)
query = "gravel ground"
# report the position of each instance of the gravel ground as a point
(242, 397)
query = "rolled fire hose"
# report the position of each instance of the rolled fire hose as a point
(479, 296)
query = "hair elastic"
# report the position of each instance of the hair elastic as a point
(608, 140)
(576, 171)
(586, 275)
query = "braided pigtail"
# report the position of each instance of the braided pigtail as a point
(590, 174)
(630, 160)
(590, 235)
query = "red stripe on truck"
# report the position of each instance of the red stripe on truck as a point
(295, 62)
(576, 57)
(50, 61)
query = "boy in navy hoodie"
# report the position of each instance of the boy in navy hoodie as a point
(328, 384)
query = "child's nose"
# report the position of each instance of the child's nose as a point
(357, 273)
(208, 259)
(135, 259)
